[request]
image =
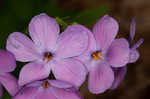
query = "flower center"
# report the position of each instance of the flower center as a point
(48, 56)
(96, 55)
(45, 84)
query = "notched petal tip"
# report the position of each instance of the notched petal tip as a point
(105, 30)
(22, 47)
(44, 31)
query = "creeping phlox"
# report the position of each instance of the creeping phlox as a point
(70, 56)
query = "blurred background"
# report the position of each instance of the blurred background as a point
(15, 15)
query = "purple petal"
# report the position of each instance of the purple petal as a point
(44, 31)
(101, 78)
(36, 91)
(118, 53)
(91, 40)
(1, 91)
(65, 94)
(60, 84)
(10, 83)
(86, 59)
(22, 47)
(119, 76)
(72, 42)
(64, 90)
(138, 43)
(86, 56)
(134, 56)
(105, 30)
(27, 93)
(33, 71)
(45, 94)
(132, 29)
(70, 70)
(7, 61)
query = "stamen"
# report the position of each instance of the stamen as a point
(96, 55)
(45, 84)
(48, 56)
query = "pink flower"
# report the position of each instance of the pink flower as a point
(48, 89)
(104, 52)
(133, 56)
(7, 64)
(48, 51)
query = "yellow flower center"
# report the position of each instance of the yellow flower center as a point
(96, 55)
(48, 56)
(45, 84)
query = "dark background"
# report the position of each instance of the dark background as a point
(15, 15)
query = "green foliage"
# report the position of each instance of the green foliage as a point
(62, 23)
(6, 95)
(90, 15)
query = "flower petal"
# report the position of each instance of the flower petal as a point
(118, 53)
(66, 93)
(1, 91)
(132, 29)
(60, 84)
(91, 42)
(45, 94)
(105, 30)
(69, 70)
(119, 76)
(72, 42)
(10, 83)
(7, 61)
(44, 31)
(101, 78)
(134, 56)
(33, 71)
(137, 44)
(22, 47)
(27, 93)
(86, 56)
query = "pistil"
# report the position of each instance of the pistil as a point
(96, 55)
(45, 84)
(48, 56)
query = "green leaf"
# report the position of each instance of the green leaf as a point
(6, 95)
(3, 37)
(52, 8)
(62, 23)
(74, 23)
(91, 15)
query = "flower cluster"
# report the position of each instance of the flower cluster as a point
(70, 56)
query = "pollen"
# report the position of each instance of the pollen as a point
(96, 55)
(48, 56)
(45, 84)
